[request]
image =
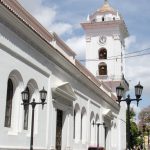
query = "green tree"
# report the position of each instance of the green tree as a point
(136, 138)
(144, 121)
(144, 117)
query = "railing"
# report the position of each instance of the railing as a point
(112, 77)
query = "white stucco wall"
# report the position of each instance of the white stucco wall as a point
(17, 56)
(19, 53)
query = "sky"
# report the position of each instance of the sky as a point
(64, 18)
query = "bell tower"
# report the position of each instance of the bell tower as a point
(105, 33)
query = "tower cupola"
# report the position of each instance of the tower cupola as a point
(105, 13)
(105, 33)
(106, 8)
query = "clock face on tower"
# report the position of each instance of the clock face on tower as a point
(102, 39)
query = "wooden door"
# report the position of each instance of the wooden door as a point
(59, 129)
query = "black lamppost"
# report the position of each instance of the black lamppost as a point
(98, 124)
(25, 99)
(128, 100)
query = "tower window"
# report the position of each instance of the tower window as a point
(9, 103)
(102, 53)
(102, 69)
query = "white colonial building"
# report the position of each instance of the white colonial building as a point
(32, 58)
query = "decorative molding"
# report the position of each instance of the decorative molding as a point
(81, 95)
(62, 94)
(63, 45)
(108, 114)
(61, 106)
(15, 8)
(95, 104)
(116, 37)
(102, 39)
(65, 91)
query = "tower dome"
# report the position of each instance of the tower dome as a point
(106, 8)
(104, 13)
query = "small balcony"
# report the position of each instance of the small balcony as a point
(112, 78)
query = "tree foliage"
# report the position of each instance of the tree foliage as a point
(136, 138)
(144, 117)
(135, 135)
(137, 132)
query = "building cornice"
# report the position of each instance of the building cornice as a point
(28, 19)
(63, 45)
(107, 25)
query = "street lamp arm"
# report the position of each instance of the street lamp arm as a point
(37, 103)
(129, 100)
(135, 99)
(101, 123)
(98, 124)
(31, 103)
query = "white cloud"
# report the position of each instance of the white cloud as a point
(31, 5)
(46, 16)
(138, 69)
(78, 45)
(136, 108)
(130, 40)
(61, 28)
